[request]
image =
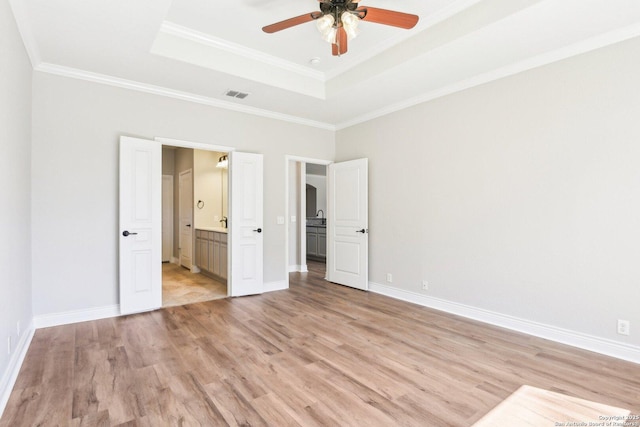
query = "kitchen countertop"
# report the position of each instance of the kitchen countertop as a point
(216, 229)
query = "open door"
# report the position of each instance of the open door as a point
(246, 224)
(140, 231)
(347, 224)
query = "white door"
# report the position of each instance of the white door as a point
(140, 231)
(245, 178)
(347, 224)
(185, 197)
(167, 217)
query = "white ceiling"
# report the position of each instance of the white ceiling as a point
(197, 49)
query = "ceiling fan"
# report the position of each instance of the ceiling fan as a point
(338, 20)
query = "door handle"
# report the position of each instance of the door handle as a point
(362, 231)
(125, 233)
(258, 230)
(188, 225)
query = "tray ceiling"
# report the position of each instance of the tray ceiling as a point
(199, 49)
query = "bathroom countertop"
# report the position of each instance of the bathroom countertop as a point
(216, 229)
(316, 222)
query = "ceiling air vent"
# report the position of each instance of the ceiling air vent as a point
(236, 94)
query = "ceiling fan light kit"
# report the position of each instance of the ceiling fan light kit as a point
(350, 24)
(338, 21)
(326, 28)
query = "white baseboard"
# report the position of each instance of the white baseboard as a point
(298, 268)
(75, 316)
(174, 260)
(275, 286)
(604, 346)
(9, 377)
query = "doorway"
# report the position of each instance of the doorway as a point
(346, 221)
(190, 274)
(140, 224)
(306, 214)
(315, 216)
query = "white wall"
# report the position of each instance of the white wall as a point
(183, 158)
(169, 168)
(76, 126)
(521, 196)
(168, 161)
(15, 183)
(208, 186)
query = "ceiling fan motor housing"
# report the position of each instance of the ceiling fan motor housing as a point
(337, 7)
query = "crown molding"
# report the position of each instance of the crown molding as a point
(24, 28)
(176, 30)
(75, 73)
(585, 46)
(575, 49)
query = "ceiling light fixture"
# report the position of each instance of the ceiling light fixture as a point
(328, 26)
(223, 162)
(338, 20)
(350, 24)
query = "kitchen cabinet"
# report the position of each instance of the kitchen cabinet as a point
(317, 242)
(211, 253)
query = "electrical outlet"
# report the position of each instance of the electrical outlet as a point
(624, 327)
(389, 278)
(293, 218)
(9, 345)
(279, 220)
(425, 285)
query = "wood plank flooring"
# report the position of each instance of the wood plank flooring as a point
(317, 354)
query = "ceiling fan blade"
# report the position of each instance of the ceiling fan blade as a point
(340, 46)
(291, 22)
(389, 17)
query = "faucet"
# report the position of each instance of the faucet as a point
(322, 217)
(224, 219)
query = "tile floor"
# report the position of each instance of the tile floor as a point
(180, 286)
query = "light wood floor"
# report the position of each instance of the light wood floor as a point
(180, 286)
(317, 354)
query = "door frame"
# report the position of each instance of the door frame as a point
(170, 142)
(301, 221)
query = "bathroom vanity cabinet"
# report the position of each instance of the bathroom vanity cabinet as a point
(211, 253)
